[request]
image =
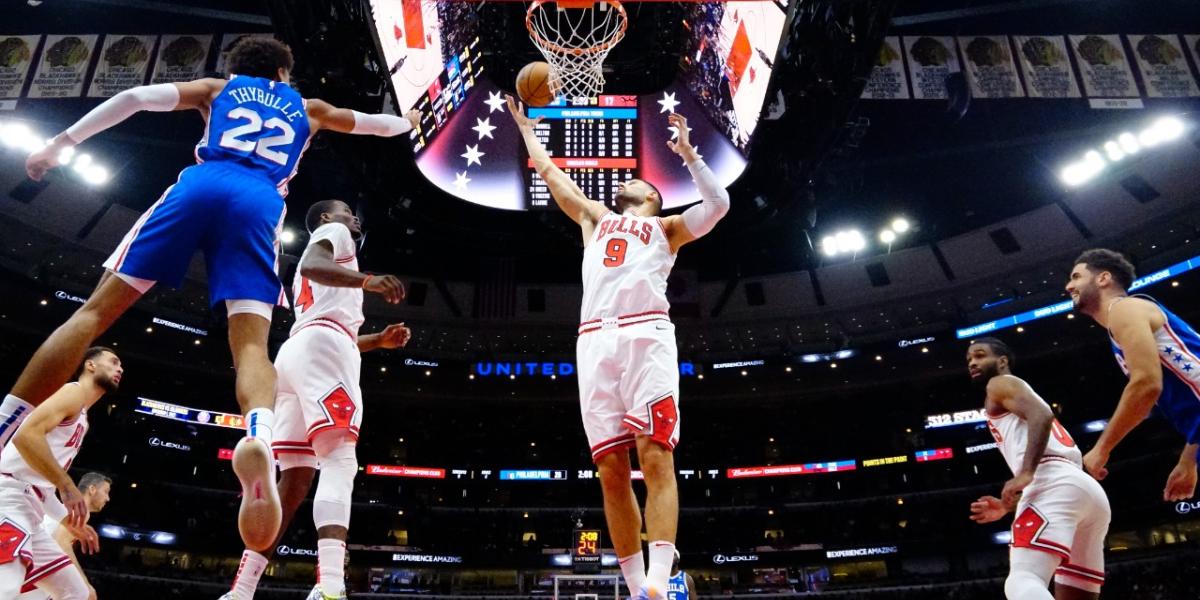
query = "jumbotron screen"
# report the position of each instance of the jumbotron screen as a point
(468, 145)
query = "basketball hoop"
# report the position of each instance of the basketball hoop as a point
(576, 36)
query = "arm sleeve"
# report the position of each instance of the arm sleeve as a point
(714, 201)
(339, 237)
(161, 97)
(55, 510)
(380, 125)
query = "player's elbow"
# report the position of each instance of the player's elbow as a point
(1147, 388)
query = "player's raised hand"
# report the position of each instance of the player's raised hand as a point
(388, 286)
(987, 509)
(394, 336)
(1013, 488)
(45, 159)
(77, 509)
(681, 144)
(1094, 462)
(414, 117)
(1181, 483)
(517, 110)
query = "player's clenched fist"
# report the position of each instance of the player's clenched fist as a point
(987, 509)
(389, 286)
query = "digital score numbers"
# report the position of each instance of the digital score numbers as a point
(586, 554)
(595, 144)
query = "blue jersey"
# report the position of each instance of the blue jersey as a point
(677, 588)
(1178, 349)
(259, 124)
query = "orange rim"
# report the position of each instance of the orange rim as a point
(576, 4)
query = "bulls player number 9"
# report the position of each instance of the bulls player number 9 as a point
(614, 253)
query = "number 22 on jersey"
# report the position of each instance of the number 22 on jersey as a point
(264, 147)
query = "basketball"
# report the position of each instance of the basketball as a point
(533, 84)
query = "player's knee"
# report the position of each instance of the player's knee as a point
(1024, 584)
(657, 462)
(615, 470)
(331, 503)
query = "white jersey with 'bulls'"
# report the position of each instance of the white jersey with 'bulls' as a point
(625, 270)
(323, 305)
(1012, 438)
(64, 440)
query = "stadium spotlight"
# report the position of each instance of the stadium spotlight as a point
(1113, 150)
(288, 236)
(16, 135)
(900, 225)
(1163, 129)
(1128, 143)
(95, 175)
(887, 236)
(829, 246)
(850, 240)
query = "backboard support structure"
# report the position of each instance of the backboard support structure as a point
(587, 587)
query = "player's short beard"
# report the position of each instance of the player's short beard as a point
(986, 373)
(625, 200)
(106, 383)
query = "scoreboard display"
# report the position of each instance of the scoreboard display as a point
(594, 143)
(586, 553)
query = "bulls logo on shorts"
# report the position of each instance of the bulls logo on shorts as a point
(12, 539)
(340, 407)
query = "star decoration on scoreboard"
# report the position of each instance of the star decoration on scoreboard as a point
(668, 103)
(484, 128)
(461, 180)
(495, 102)
(472, 155)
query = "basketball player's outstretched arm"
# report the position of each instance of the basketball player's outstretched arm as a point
(324, 115)
(319, 266)
(160, 97)
(1181, 483)
(1131, 325)
(1018, 398)
(393, 336)
(30, 440)
(699, 219)
(570, 199)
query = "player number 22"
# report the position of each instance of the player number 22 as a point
(614, 253)
(264, 147)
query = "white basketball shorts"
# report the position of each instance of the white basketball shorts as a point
(1064, 512)
(629, 385)
(28, 553)
(318, 390)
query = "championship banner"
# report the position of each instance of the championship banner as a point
(64, 64)
(1046, 67)
(123, 62)
(888, 81)
(16, 54)
(181, 58)
(227, 42)
(1193, 44)
(1103, 66)
(930, 60)
(1164, 68)
(990, 69)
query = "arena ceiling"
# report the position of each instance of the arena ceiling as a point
(950, 167)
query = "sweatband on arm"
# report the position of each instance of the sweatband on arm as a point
(160, 97)
(701, 218)
(380, 125)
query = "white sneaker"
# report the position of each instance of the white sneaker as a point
(226, 596)
(318, 594)
(260, 514)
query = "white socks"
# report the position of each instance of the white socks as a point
(260, 423)
(12, 412)
(662, 554)
(633, 567)
(331, 566)
(249, 571)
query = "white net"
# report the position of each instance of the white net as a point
(576, 36)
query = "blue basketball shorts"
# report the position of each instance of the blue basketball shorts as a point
(231, 214)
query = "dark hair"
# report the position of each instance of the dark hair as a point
(93, 478)
(259, 57)
(312, 220)
(660, 196)
(91, 354)
(1099, 260)
(998, 348)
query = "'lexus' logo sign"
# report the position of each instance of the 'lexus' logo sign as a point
(720, 559)
(1184, 508)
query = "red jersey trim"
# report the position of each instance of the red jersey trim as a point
(330, 323)
(624, 320)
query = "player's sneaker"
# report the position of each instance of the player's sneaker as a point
(318, 594)
(226, 596)
(260, 515)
